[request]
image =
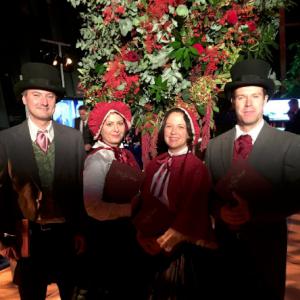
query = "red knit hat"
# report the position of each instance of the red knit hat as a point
(101, 111)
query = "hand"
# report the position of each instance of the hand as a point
(237, 215)
(170, 239)
(80, 244)
(149, 244)
(8, 251)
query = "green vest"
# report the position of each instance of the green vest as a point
(48, 206)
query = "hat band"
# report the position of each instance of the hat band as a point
(42, 82)
(249, 77)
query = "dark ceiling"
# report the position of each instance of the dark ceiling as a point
(24, 23)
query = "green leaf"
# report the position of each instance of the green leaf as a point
(193, 51)
(172, 54)
(216, 109)
(164, 85)
(192, 41)
(158, 80)
(176, 44)
(187, 63)
(100, 69)
(201, 109)
(179, 54)
(186, 95)
(186, 53)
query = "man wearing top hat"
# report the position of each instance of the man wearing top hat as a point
(256, 173)
(41, 204)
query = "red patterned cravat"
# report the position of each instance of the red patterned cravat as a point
(42, 140)
(242, 147)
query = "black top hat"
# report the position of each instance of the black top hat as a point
(39, 76)
(250, 72)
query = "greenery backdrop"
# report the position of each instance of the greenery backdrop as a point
(160, 53)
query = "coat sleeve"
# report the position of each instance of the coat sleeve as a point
(8, 203)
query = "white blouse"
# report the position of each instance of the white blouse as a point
(96, 167)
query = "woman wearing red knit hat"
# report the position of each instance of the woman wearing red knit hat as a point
(111, 178)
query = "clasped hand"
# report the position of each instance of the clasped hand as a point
(236, 215)
(170, 239)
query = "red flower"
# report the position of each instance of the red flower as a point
(199, 48)
(120, 10)
(108, 14)
(147, 25)
(149, 43)
(157, 8)
(251, 26)
(232, 17)
(131, 56)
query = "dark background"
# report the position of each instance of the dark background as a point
(23, 23)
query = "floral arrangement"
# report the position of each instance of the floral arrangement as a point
(152, 54)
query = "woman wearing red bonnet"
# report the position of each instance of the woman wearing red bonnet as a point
(172, 220)
(112, 178)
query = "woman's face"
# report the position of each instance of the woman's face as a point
(175, 132)
(113, 130)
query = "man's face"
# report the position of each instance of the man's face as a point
(40, 104)
(83, 114)
(249, 102)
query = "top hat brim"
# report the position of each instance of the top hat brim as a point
(268, 84)
(38, 84)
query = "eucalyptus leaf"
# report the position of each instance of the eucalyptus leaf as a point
(125, 26)
(182, 10)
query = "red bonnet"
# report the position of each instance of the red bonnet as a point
(101, 111)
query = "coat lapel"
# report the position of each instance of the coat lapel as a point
(227, 148)
(262, 141)
(25, 143)
(59, 149)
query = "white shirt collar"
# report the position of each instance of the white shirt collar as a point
(254, 132)
(99, 143)
(33, 129)
(182, 151)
